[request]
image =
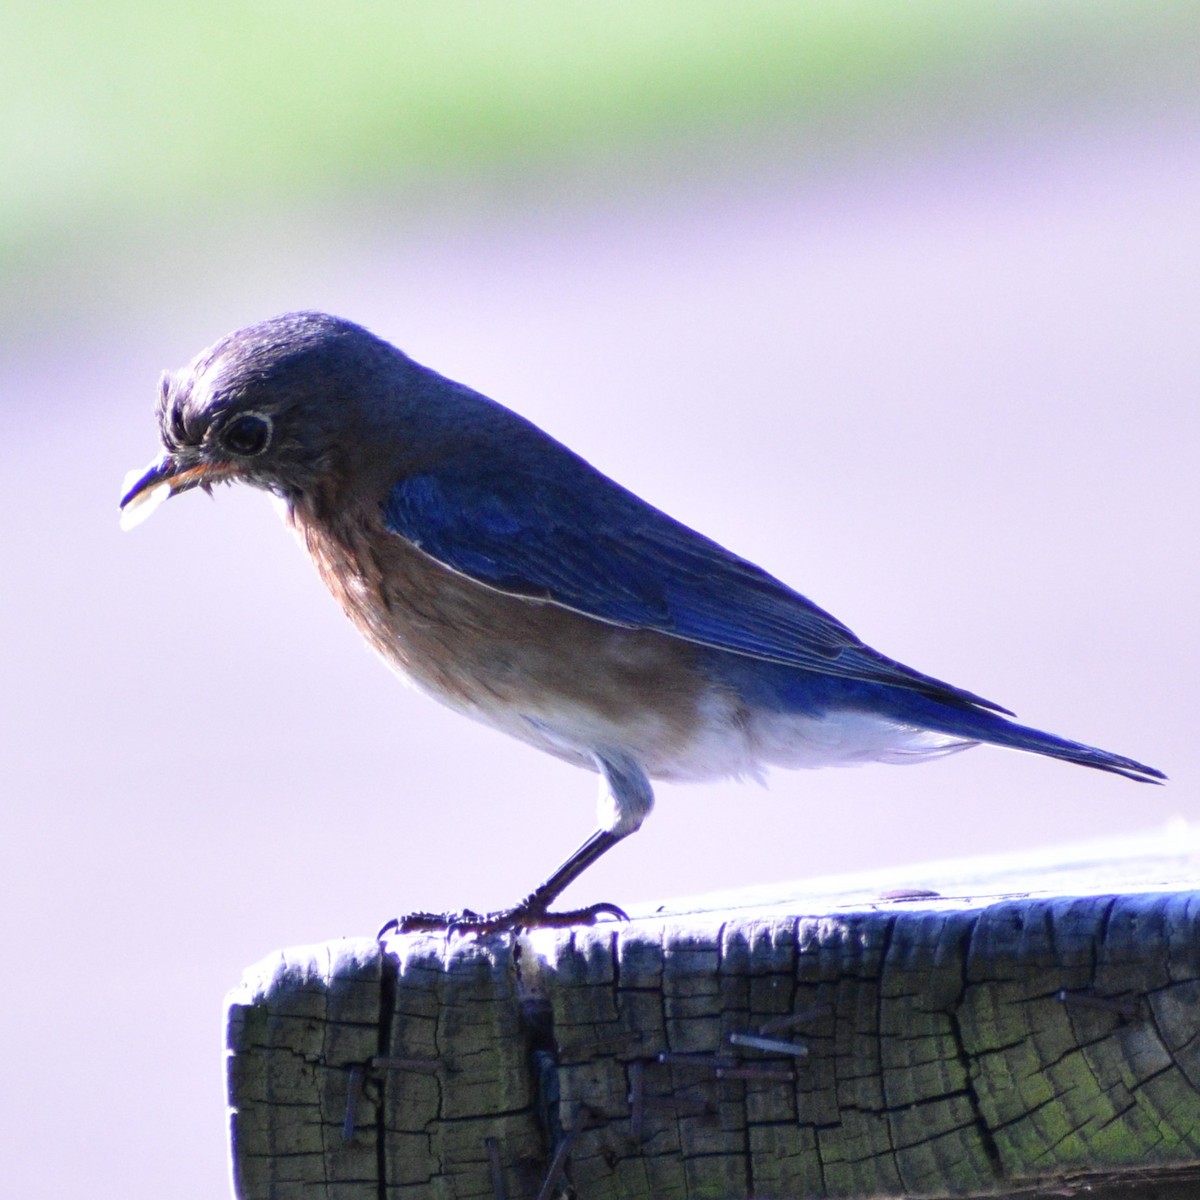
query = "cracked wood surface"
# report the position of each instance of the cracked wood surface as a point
(994, 1040)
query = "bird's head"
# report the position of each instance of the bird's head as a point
(270, 405)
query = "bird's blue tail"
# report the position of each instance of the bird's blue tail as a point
(927, 705)
(982, 726)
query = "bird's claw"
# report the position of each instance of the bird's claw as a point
(529, 914)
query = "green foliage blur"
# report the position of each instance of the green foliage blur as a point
(123, 111)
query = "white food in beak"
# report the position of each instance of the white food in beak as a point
(144, 503)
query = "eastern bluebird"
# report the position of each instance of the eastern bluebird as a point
(511, 580)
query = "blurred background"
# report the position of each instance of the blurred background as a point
(899, 301)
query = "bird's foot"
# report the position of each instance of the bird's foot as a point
(531, 913)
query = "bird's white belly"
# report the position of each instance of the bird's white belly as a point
(744, 744)
(728, 741)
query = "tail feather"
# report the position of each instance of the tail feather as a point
(987, 727)
(952, 714)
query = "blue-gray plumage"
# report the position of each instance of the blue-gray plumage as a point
(513, 581)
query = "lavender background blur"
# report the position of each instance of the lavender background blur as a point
(929, 355)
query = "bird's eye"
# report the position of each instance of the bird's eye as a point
(247, 434)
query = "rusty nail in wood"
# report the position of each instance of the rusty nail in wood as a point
(909, 893)
(637, 1100)
(558, 1164)
(776, 1073)
(705, 1062)
(354, 1083)
(769, 1045)
(779, 1024)
(609, 1043)
(1130, 1009)
(384, 1062)
(681, 1106)
(494, 1168)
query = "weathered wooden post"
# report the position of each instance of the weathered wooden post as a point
(1032, 1033)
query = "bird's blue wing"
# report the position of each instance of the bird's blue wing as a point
(601, 551)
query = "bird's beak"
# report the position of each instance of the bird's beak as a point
(146, 490)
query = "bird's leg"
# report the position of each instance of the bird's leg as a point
(532, 912)
(534, 909)
(543, 896)
(625, 799)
